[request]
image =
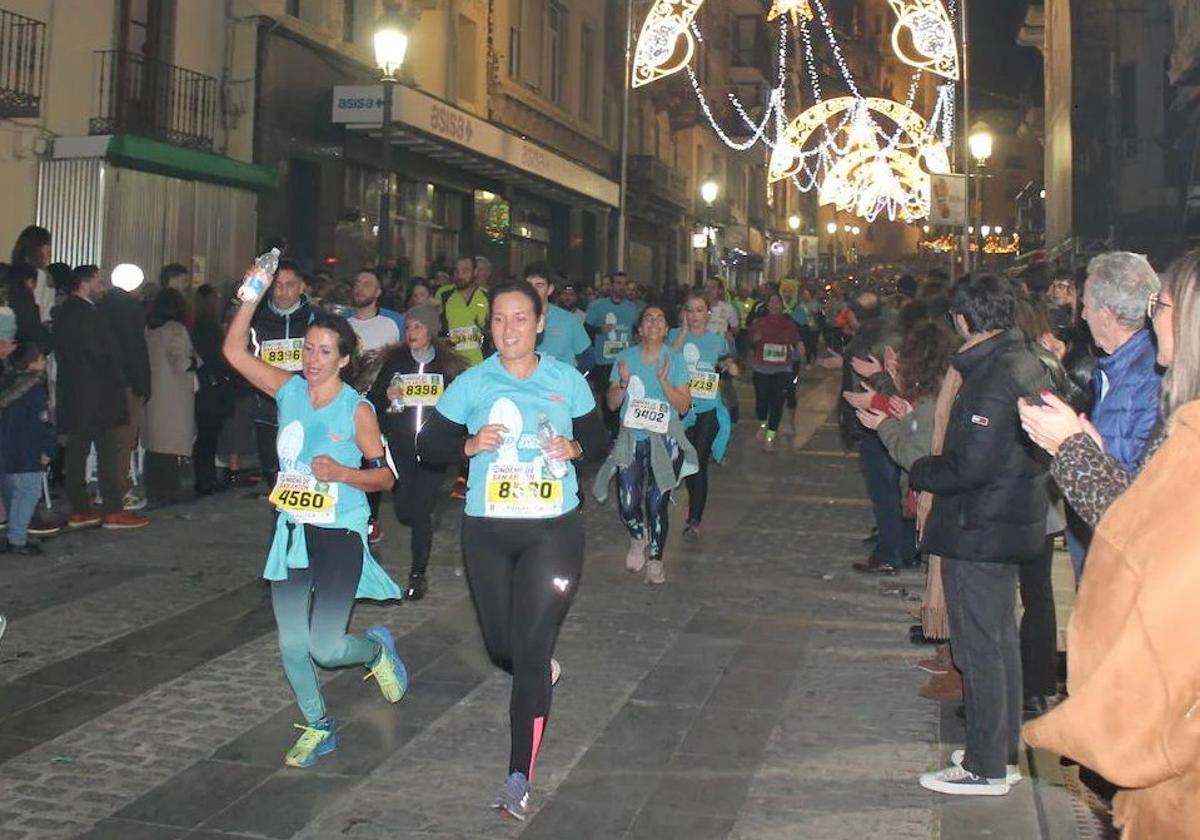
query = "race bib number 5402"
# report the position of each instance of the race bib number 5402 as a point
(648, 415)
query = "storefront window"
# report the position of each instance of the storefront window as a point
(492, 228)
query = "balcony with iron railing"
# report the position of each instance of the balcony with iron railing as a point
(649, 175)
(22, 65)
(140, 95)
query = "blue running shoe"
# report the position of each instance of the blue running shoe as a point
(314, 741)
(513, 798)
(388, 670)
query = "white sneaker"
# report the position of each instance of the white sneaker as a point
(636, 558)
(654, 572)
(956, 781)
(1012, 772)
(133, 501)
(555, 671)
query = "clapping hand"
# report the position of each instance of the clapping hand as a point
(1050, 424)
(872, 418)
(859, 399)
(831, 362)
(867, 367)
(899, 406)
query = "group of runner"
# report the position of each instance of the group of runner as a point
(493, 381)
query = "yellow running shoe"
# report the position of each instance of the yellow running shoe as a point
(388, 670)
(314, 742)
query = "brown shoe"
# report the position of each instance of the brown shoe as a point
(124, 520)
(84, 520)
(874, 567)
(943, 687)
(939, 663)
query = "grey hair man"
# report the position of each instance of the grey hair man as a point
(1126, 382)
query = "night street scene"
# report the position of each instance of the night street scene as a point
(599, 419)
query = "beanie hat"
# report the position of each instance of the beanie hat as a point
(427, 315)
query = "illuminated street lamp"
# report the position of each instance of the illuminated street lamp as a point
(794, 225)
(709, 191)
(391, 45)
(832, 229)
(980, 144)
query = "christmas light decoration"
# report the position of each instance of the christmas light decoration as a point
(796, 9)
(924, 38)
(665, 45)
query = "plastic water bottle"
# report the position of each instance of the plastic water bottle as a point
(545, 434)
(259, 277)
(397, 405)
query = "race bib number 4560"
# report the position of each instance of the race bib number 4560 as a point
(304, 498)
(284, 353)
(517, 491)
(648, 415)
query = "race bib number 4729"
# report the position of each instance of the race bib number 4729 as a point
(648, 415)
(284, 353)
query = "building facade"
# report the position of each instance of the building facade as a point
(127, 131)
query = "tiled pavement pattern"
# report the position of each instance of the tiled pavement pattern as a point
(764, 692)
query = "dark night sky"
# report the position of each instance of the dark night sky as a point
(998, 65)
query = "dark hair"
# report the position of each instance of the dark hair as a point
(19, 275)
(286, 264)
(1032, 317)
(31, 240)
(987, 302)
(207, 304)
(347, 340)
(912, 313)
(542, 269)
(417, 281)
(466, 257)
(277, 241)
(374, 272)
(520, 287)
(168, 305)
(80, 274)
(169, 272)
(924, 356)
(637, 325)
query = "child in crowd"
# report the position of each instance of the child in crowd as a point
(27, 442)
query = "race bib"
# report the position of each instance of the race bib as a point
(648, 415)
(613, 346)
(775, 352)
(305, 499)
(284, 353)
(420, 388)
(704, 384)
(465, 338)
(517, 491)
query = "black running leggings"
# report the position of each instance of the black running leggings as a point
(523, 575)
(414, 498)
(701, 435)
(770, 391)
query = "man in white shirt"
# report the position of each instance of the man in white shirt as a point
(722, 315)
(374, 331)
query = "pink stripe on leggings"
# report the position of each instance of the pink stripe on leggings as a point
(539, 726)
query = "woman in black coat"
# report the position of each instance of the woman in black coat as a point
(215, 397)
(412, 379)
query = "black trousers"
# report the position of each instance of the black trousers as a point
(523, 575)
(981, 600)
(1039, 625)
(162, 476)
(268, 458)
(770, 391)
(612, 419)
(204, 450)
(108, 470)
(414, 498)
(701, 435)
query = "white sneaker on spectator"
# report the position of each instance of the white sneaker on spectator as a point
(1012, 772)
(958, 781)
(134, 501)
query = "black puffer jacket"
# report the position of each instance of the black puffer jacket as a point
(989, 484)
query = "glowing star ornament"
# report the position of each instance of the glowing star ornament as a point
(923, 37)
(665, 44)
(797, 9)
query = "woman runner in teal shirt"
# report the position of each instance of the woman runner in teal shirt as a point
(330, 456)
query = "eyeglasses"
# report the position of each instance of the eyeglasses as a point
(1155, 304)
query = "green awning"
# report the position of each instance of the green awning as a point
(153, 156)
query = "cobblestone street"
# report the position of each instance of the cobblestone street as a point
(765, 692)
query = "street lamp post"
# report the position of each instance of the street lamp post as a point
(794, 227)
(980, 143)
(708, 192)
(832, 229)
(391, 44)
